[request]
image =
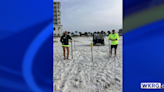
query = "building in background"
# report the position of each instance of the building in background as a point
(57, 20)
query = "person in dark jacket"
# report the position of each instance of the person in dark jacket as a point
(65, 43)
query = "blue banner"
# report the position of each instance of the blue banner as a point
(143, 42)
(26, 46)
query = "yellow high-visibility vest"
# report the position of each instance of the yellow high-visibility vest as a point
(113, 37)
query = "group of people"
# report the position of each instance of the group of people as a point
(114, 37)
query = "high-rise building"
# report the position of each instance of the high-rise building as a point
(57, 20)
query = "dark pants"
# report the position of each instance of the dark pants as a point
(114, 46)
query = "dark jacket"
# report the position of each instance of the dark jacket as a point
(65, 39)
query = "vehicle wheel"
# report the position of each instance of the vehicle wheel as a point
(104, 43)
(93, 43)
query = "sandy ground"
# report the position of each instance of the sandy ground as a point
(80, 74)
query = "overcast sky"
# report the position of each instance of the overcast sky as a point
(91, 15)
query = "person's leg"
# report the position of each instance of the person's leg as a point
(111, 51)
(64, 52)
(68, 53)
(115, 50)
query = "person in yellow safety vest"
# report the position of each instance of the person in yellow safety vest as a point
(65, 43)
(114, 41)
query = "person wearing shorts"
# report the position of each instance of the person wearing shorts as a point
(114, 41)
(65, 44)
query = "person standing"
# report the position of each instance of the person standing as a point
(114, 41)
(65, 44)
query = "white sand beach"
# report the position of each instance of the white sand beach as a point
(80, 74)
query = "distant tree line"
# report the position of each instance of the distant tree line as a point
(74, 34)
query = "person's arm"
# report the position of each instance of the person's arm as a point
(109, 37)
(117, 37)
(70, 38)
(61, 39)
